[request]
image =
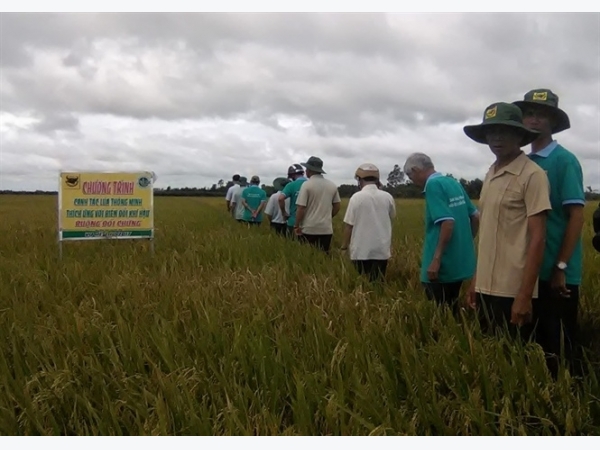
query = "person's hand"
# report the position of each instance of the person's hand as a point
(559, 283)
(298, 231)
(472, 296)
(433, 269)
(522, 310)
(344, 250)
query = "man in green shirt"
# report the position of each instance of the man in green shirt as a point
(560, 275)
(254, 200)
(451, 223)
(291, 191)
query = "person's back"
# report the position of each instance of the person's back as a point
(273, 209)
(239, 207)
(370, 212)
(318, 194)
(254, 196)
(291, 191)
(445, 198)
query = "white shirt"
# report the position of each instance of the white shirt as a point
(272, 209)
(370, 212)
(238, 214)
(231, 191)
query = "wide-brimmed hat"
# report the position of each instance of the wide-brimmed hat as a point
(255, 179)
(546, 99)
(314, 164)
(501, 114)
(279, 183)
(367, 170)
(243, 181)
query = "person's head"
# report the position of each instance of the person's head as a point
(236, 178)
(502, 130)
(314, 166)
(243, 181)
(541, 112)
(367, 173)
(255, 180)
(295, 171)
(279, 183)
(418, 167)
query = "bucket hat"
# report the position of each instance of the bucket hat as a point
(545, 98)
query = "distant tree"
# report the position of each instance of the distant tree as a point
(220, 183)
(396, 177)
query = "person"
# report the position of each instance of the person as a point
(596, 226)
(555, 310)
(272, 210)
(368, 224)
(290, 191)
(514, 201)
(254, 200)
(229, 195)
(318, 202)
(451, 224)
(237, 208)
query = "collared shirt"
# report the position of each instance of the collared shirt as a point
(318, 195)
(509, 197)
(272, 209)
(370, 212)
(566, 188)
(291, 191)
(446, 199)
(231, 191)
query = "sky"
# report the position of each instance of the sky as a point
(198, 97)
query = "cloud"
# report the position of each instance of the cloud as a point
(202, 96)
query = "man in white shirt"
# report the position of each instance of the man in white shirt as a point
(318, 202)
(368, 224)
(231, 191)
(237, 208)
(273, 211)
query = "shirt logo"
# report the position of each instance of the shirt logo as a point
(541, 96)
(491, 113)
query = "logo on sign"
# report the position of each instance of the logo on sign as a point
(144, 182)
(72, 181)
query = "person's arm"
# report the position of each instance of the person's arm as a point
(437, 206)
(336, 203)
(446, 229)
(537, 203)
(346, 236)
(474, 219)
(260, 208)
(301, 203)
(536, 230)
(572, 199)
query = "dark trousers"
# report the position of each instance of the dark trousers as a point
(373, 268)
(279, 228)
(321, 241)
(495, 315)
(444, 293)
(247, 222)
(555, 325)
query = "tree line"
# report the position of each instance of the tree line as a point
(397, 184)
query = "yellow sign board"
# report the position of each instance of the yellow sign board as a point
(100, 205)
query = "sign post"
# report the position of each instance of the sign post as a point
(102, 205)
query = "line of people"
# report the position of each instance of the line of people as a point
(526, 272)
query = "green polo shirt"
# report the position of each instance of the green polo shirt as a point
(254, 196)
(566, 188)
(291, 191)
(445, 199)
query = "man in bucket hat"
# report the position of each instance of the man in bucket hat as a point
(555, 310)
(318, 202)
(273, 212)
(514, 201)
(368, 224)
(290, 193)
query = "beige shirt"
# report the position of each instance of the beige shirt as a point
(508, 197)
(318, 195)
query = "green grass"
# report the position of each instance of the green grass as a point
(226, 330)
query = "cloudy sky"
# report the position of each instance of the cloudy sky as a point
(196, 97)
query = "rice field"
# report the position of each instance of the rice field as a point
(226, 330)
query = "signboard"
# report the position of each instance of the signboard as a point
(100, 205)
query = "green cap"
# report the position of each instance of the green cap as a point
(546, 99)
(500, 114)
